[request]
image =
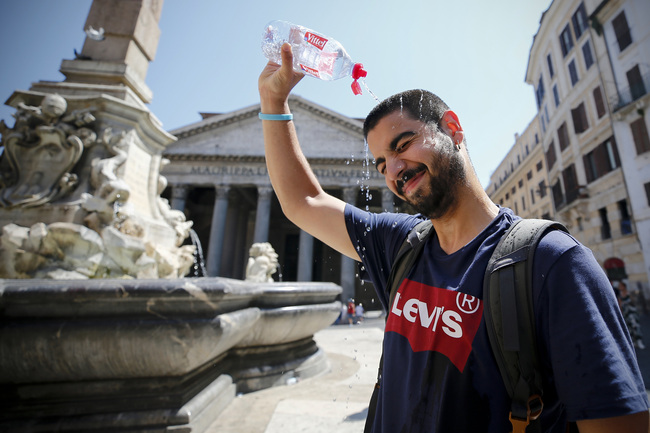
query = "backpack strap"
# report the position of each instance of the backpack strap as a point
(406, 256)
(510, 320)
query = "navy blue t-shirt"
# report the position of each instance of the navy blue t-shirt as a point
(439, 373)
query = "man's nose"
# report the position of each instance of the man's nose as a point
(394, 168)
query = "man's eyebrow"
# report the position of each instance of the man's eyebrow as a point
(393, 144)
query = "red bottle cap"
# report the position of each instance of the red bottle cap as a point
(357, 72)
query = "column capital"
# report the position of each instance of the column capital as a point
(179, 191)
(222, 190)
(386, 194)
(264, 191)
(350, 195)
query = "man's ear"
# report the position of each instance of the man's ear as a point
(451, 126)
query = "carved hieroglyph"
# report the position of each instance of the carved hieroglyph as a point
(55, 159)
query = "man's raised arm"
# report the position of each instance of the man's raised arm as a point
(302, 199)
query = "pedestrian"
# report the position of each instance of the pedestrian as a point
(358, 312)
(630, 313)
(351, 311)
(439, 374)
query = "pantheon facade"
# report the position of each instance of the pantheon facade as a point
(217, 175)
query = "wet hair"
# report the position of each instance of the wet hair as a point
(418, 104)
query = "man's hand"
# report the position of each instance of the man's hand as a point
(276, 82)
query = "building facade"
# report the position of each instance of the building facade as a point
(520, 182)
(217, 175)
(589, 66)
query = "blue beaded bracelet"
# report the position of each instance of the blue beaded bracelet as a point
(276, 116)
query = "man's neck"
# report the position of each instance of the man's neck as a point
(474, 211)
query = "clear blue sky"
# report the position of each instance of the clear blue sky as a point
(472, 53)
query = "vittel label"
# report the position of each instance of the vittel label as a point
(436, 319)
(310, 71)
(315, 40)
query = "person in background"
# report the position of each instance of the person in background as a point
(630, 313)
(358, 312)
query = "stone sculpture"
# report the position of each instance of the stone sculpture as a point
(262, 263)
(62, 160)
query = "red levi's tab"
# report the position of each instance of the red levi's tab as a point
(315, 40)
(435, 319)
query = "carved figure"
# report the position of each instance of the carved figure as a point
(41, 151)
(174, 217)
(262, 263)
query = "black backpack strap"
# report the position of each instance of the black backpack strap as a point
(406, 256)
(510, 320)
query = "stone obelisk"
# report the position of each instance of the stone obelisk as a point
(121, 39)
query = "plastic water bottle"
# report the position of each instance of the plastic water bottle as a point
(314, 54)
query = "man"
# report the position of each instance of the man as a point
(439, 373)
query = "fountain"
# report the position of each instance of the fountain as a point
(100, 329)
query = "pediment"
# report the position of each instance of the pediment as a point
(323, 134)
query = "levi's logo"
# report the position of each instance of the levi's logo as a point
(317, 41)
(435, 319)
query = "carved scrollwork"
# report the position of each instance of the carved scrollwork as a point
(40, 152)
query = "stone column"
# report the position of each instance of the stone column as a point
(305, 256)
(387, 200)
(179, 196)
(217, 230)
(348, 270)
(263, 215)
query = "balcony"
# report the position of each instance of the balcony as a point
(632, 93)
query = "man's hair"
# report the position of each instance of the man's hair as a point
(418, 104)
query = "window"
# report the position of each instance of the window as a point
(549, 60)
(602, 160)
(640, 136)
(626, 221)
(542, 189)
(539, 166)
(558, 197)
(573, 72)
(550, 155)
(605, 229)
(556, 96)
(532, 196)
(647, 192)
(563, 136)
(580, 123)
(579, 20)
(566, 41)
(622, 31)
(570, 183)
(637, 88)
(586, 52)
(507, 195)
(598, 100)
(521, 183)
(514, 190)
(523, 203)
(529, 175)
(539, 93)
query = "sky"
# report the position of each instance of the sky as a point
(471, 53)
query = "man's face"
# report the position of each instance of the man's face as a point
(418, 161)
